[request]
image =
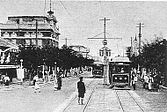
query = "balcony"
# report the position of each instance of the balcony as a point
(27, 26)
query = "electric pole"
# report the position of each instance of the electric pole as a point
(66, 41)
(106, 64)
(140, 25)
(36, 33)
(105, 55)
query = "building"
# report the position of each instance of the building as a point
(31, 30)
(81, 50)
(135, 47)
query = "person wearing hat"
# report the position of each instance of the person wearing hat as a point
(81, 90)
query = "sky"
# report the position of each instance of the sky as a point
(80, 20)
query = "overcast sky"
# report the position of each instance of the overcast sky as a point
(79, 20)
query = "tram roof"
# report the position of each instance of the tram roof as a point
(122, 59)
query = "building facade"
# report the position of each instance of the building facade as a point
(31, 30)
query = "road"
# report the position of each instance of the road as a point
(25, 100)
(98, 98)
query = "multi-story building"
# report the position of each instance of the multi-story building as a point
(31, 30)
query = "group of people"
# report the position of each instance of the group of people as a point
(151, 79)
(57, 82)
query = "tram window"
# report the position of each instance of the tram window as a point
(120, 69)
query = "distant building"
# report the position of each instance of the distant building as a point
(31, 30)
(81, 50)
(135, 47)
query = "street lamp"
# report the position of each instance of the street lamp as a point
(21, 64)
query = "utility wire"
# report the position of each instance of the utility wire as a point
(67, 11)
(96, 35)
(45, 8)
(65, 8)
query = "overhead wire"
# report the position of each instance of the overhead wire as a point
(45, 8)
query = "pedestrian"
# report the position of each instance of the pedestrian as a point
(59, 81)
(134, 81)
(55, 83)
(6, 80)
(150, 82)
(81, 90)
(36, 87)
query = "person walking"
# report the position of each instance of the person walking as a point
(134, 81)
(81, 90)
(150, 82)
(36, 86)
(59, 81)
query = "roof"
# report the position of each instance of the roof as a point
(7, 66)
(6, 43)
(27, 17)
(120, 59)
(98, 63)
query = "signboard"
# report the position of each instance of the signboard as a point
(20, 73)
(104, 42)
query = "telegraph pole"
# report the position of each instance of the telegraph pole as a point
(106, 65)
(105, 55)
(36, 33)
(66, 39)
(140, 25)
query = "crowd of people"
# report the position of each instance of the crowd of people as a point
(150, 78)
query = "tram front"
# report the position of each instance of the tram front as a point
(119, 72)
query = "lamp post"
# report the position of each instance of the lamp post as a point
(21, 63)
(43, 69)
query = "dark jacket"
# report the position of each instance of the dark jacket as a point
(81, 87)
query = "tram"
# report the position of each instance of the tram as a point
(97, 70)
(119, 72)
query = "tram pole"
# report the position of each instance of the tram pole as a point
(105, 73)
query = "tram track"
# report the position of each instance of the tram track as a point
(89, 98)
(117, 92)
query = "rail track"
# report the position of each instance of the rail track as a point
(92, 87)
(133, 102)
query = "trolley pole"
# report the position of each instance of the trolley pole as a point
(105, 73)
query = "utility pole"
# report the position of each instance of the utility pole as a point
(66, 39)
(36, 33)
(106, 65)
(105, 55)
(131, 49)
(140, 25)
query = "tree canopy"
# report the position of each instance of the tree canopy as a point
(153, 55)
(64, 57)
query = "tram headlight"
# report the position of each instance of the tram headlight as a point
(120, 78)
(115, 78)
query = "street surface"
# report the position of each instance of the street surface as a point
(98, 98)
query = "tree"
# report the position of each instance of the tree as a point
(65, 57)
(153, 55)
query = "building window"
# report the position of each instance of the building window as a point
(33, 42)
(27, 34)
(27, 41)
(20, 41)
(39, 42)
(6, 34)
(13, 34)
